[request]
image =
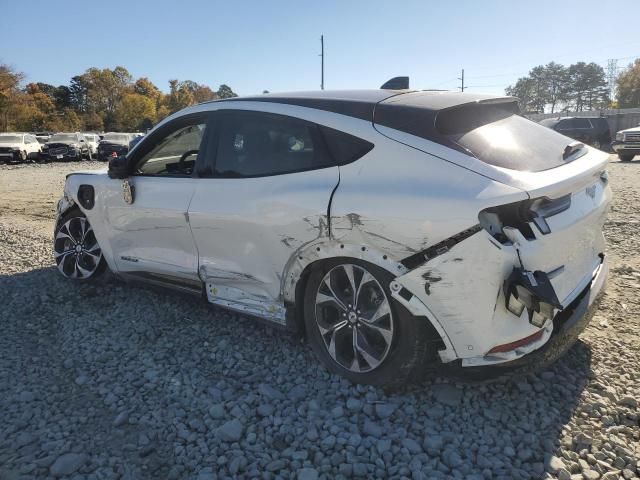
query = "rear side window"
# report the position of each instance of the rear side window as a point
(254, 144)
(582, 123)
(499, 137)
(345, 148)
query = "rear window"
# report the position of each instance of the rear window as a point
(496, 135)
(345, 148)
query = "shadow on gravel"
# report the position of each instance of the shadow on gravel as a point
(158, 385)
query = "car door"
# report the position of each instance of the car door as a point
(151, 236)
(267, 196)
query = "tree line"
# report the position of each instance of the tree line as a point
(98, 100)
(580, 86)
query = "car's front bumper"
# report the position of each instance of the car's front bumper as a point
(62, 157)
(13, 156)
(626, 148)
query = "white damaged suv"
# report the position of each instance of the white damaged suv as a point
(398, 230)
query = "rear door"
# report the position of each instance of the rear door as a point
(267, 196)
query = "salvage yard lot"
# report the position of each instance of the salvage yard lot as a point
(110, 380)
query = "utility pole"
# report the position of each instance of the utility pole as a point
(462, 80)
(612, 76)
(321, 62)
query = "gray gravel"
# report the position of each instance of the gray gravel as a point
(110, 380)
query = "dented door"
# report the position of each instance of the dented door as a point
(246, 230)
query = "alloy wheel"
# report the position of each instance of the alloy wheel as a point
(354, 318)
(76, 249)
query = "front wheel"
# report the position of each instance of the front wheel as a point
(356, 329)
(625, 158)
(76, 250)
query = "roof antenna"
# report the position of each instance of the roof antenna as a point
(396, 83)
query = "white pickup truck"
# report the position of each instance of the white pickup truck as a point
(627, 143)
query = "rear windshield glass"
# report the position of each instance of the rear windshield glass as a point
(499, 137)
(10, 139)
(120, 138)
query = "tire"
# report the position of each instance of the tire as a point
(23, 156)
(77, 253)
(392, 345)
(625, 158)
(89, 158)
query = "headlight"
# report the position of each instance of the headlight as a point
(620, 136)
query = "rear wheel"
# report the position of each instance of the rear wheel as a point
(23, 156)
(625, 158)
(357, 330)
(76, 250)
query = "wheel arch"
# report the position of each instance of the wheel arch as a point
(320, 254)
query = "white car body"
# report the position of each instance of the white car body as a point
(411, 206)
(92, 140)
(15, 145)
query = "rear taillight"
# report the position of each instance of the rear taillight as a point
(522, 216)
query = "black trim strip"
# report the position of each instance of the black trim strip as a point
(420, 258)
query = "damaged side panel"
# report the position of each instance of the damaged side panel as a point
(463, 289)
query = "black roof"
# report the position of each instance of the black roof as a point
(362, 103)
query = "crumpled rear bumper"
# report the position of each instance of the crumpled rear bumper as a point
(568, 325)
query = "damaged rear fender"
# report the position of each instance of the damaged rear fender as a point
(325, 249)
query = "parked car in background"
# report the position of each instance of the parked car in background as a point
(18, 147)
(592, 131)
(627, 143)
(113, 144)
(43, 137)
(135, 141)
(398, 230)
(92, 141)
(66, 147)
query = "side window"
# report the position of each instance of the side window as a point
(564, 125)
(253, 144)
(175, 153)
(345, 148)
(582, 123)
(27, 139)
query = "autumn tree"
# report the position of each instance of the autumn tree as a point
(629, 86)
(135, 112)
(9, 96)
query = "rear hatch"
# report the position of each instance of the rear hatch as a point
(558, 231)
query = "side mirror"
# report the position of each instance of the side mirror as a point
(81, 140)
(118, 167)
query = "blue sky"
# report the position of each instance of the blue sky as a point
(274, 45)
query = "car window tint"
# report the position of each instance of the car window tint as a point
(344, 147)
(582, 123)
(254, 144)
(175, 153)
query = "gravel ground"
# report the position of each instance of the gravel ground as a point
(110, 380)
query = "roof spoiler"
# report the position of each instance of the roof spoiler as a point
(396, 83)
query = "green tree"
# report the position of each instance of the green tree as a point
(629, 86)
(588, 86)
(225, 92)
